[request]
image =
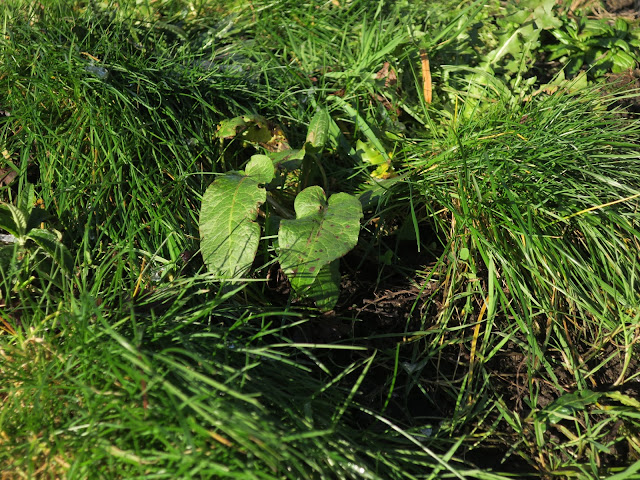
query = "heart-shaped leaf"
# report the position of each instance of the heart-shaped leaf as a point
(325, 289)
(322, 232)
(229, 235)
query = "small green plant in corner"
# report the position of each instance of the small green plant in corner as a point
(27, 247)
(309, 246)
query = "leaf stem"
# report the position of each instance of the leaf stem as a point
(280, 210)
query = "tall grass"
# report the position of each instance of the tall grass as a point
(536, 206)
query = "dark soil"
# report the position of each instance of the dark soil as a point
(623, 7)
(628, 81)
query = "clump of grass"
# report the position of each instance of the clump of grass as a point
(134, 367)
(176, 389)
(536, 207)
(124, 111)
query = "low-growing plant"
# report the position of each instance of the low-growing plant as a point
(27, 247)
(309, 246)
(602, 46)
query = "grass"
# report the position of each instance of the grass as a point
(553, 262)
(508, 244)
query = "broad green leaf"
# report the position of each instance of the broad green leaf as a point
(518, 17)
(231, 127)
(562, 37)
(595, 28)
(318, 132)
(50, 242)
(566, 406)
(369, 154)
(621, 26)
(288, 159)
(322, 232)
(7, 221)
(509, 43)
(622, 61)
(254, 129)
(26, 199)
(559, 52)
(13, 220)
(229, 235)
(36, 217)
(518, 43)
(7, 256)
(361, 124)
(545, 18)
(623, 45)
(624, 399)
(325, 289)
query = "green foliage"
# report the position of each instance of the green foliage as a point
(322, 233)
(520, 29)
(599, 45)
(544, 259)
(229, 236)
(491, 321)
(250, 128)
(507, 51)
(371, 156)
(318, 133)
(309, 246)
(31, 247)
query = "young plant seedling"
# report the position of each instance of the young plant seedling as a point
(26, 239)
(309, 246)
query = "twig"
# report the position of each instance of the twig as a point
(426, 76)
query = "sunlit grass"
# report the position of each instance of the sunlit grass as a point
(520, 354)
(537, 207)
